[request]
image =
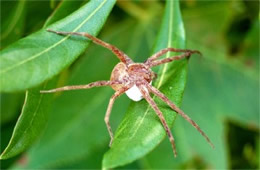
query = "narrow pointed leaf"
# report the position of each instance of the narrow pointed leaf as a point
(12, 21)
(36, 107)
(218, 91)
(141, 130)
(10, 107)
(30, 123)
(42, 55)
(64, 8)
(213, 114)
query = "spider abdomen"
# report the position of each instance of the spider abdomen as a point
(120, 74)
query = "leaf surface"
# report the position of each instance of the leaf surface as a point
(219, 91)
(212, 114)
(36, 107)
(42, 55)
(141, 131)
(30, 123)
(65, 8)
(10, 106)
(12, 21)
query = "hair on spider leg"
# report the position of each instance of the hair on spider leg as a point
(152, 103)
(135, 80)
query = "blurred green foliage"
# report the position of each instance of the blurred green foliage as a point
(221, 95)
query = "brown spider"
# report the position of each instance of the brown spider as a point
(135, 79)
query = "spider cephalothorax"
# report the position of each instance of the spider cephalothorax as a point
(140, 72)
(135, 80)
(132, 75)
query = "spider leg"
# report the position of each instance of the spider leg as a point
(109, 109)
(122, 56)
(165, 50)
(86, 86)
(178, 110)
(170, 59)
(148, 98)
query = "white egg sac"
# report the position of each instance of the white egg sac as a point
(134, 93)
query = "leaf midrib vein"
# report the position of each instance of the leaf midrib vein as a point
(19, 119)
(163, 72)
(54, 45)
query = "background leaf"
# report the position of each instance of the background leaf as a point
(210, 75)
(35, 23)
(10, 106)
(30, 123)
(35, 107)
(221, 90)
(140, 131)
(64, 9)
(27, 62)
(34, 116)
(12, 21)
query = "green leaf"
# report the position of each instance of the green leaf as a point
(10, 106)
(237, 89)
(220, 90)
(12, 21)
(42, 55)
(30, 123)
(141, 131)
(36, 16)
(64, 9)
(35, 110)
(230, 85)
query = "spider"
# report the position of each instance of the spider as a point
(135, 80)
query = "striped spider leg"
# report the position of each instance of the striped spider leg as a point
(135, 79)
